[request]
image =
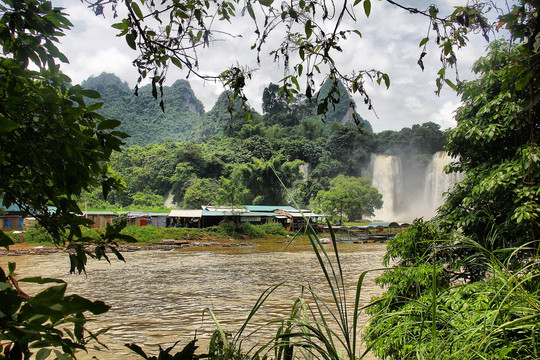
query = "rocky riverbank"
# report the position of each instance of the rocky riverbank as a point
(31, 249)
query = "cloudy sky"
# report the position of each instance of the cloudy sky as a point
(389, 43)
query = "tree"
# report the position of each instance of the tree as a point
(351, 196)
(232, 193)
(200, 193)
(350, 147)
(495, 144)
(472, 273)
(266, 180)
(147, 200)
(52, 147)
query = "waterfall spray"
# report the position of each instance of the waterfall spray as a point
(423, 193)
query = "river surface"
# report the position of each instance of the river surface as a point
(158, 297)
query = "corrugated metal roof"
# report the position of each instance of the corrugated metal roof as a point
(186, 213)
(219, 213)
(304, 214)
(225, 209)
(136, 214)
(268, 208)
(262, 213)
(158, 214)
(11, 208)
(96, 212)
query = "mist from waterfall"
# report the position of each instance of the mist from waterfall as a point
(409, 192)
(437, 181)
(385, 172)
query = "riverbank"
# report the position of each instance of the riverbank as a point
(36, 249)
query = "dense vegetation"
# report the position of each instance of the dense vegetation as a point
(152, 235)
(52, 147)
(465, 285)
(233, 161)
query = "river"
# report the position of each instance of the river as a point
(158, 297)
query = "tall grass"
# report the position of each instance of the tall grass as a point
(497, 318)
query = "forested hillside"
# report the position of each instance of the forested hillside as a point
(141, 115)
(227, 159)
(185, 117)
(188, 158)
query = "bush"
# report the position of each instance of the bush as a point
(253, 231)
(273, 229)
(37, 235)
(151, 234)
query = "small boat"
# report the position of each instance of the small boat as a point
(325, 240)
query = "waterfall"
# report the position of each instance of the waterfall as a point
(437, 182)
(409, 193)
(385, 171)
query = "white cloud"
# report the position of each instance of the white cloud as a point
(445, 115)
(390, 44)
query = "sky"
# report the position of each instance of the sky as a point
(389, 43)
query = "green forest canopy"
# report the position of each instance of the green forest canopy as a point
(221, 147)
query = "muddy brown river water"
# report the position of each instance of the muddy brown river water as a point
(158, 297)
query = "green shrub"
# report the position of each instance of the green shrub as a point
(37, 235)
(253, 231)
(273, 229)
(143, 234)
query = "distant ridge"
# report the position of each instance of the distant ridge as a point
(184, 118)
(141, 115)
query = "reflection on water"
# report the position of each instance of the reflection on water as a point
(158, 297)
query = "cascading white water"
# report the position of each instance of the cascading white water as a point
(437, 181)
(410, 193)
(385, 171)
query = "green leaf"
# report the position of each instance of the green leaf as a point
(295, 82)
(130, 39)
(74, 304)
(308, 28)
(95, 106)
(176, 62)
(386, 79)
(433, 11)
(5, 240)
(116, 252)
(7, 125)
(11, 267)
(109, 124)
(266, 2)
(451, 84)
(447, 48)
(367, 7)
(120, 26)
(250, 11)
(423, 41)
(41, 280)
(293, 14)
(43, 354)
(137, 349)
(321, 109)
(92, 94)
(137, 10)
(49, 296)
